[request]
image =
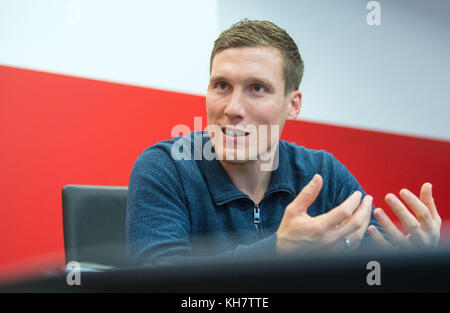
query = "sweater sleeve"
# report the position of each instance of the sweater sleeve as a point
(158, 220)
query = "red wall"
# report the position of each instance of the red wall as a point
(57, 130)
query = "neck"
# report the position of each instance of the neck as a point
(248, 178)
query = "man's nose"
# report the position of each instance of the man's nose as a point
(235, 108)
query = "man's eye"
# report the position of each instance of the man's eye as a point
(222, 85)
(258, 88)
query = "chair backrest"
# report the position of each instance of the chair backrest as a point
(94, 224)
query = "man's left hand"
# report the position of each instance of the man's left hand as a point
(423, 226)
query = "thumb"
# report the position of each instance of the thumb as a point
(307, 196)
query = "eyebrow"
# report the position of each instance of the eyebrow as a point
(262, 81)
(217, 78)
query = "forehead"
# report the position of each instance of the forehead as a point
(262, 62)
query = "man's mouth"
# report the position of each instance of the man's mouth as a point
(233, 132)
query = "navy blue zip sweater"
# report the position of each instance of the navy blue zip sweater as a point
(181, 210)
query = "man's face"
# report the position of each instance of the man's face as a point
(246, 95)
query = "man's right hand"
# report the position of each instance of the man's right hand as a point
(300, 232)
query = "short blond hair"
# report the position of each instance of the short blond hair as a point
(252, 33)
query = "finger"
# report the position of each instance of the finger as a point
(342, 212)
(378, 238)
(357, 236)
(421, 211)
(426, 196)
(358, 223)
(406, 218)
(307, 196)
(389, 227)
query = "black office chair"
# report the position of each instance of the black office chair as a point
(94, 225)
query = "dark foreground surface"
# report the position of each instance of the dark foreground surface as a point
(425, 271)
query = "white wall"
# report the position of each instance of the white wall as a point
(393, 77)
(160, 44)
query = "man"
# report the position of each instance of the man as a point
(257, 194)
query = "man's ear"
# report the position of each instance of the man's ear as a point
(295, 104)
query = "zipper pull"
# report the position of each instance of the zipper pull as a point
(256, 216)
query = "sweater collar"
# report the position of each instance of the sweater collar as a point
(223, 190)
